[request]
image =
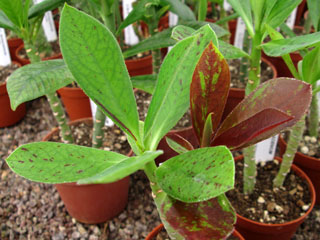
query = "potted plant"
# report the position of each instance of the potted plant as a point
(170, 101)
(308, 71)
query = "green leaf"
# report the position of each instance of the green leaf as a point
(146, 83)
(203, 5)
(94, 58)
(314, 11)
(122, 169)
(267, 7)
(197, 175)
(219, 31)
(231, 52)
(284, 46)
(157, 41)
(5, 22)
(209, 220)
(179, 8)
(180, 32)
(51, 162)
(311, 66)
(178, 143)
(38, 79)
(243, 8)
(13, 10)
(258, 11)
(44, 6)
(281, 11)
(171, 97)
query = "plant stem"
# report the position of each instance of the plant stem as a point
(54, 101)
(99, 122)
(225, 25)
(314, 117)
(60, 116)
(245, 61)
(249, 170)
(293, 143)
(153, 28)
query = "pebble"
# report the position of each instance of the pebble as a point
(313, 140)
(305, 207)
(304, 149)
(261, 200)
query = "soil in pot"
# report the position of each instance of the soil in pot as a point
(5, 72)
(268, 205)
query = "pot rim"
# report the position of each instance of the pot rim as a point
(302, 175)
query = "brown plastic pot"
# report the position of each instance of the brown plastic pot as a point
(8, 117)
(76, 102)
(93, 203)
(252, 230)
(140, 66)
(153, 234)
(310, 165)
(25, 61)
(13, 44)
(236, 95)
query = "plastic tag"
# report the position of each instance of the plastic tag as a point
(266, 149)
(108, 122)
(292, 18)
(48, 25)
(227, 6)
(173, 21)
(239, 35)
(5, 58)
(130, 37)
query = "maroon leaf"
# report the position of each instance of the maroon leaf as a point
(247, 132)
(207, 220)
(287, 95)
(184, 143)
(209, 89)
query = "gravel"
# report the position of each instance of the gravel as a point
(31, 210)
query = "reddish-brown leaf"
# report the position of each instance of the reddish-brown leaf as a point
(209, 89)
(248, 131)
(290, 96)
(180, 141)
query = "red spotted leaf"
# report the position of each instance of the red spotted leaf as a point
(207, 220)
(209, 89)
(286, 95)
(249, 130)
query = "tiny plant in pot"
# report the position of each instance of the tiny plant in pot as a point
(188, 189)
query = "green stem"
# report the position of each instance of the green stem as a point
(98, 124)
(108, 16)
(156, 54)
(245, 61)
(60, 116)
(32, 52)
(293, 143)
(308, 24)
(225, 25)
(249, 170)
(314, 117)
(254, 71)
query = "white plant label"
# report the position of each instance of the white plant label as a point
(173, 21)
(48, 25)
(240, 31)
(130, 37)
(266, 149)
(227, 6)
(292, 18)
(108, 122)
(5, 58)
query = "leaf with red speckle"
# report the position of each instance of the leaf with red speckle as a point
(197, 175)
(209, 89)
(208, 220)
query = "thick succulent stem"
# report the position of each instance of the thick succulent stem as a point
(245, 61)
(249, 170)
(156, 54)
(54, 101)
(60, 116)
(293, 143)
(99, 122)
(314, 117)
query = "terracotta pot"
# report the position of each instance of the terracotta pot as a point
(236, 95)
(300, 12)
(93, 203)
(8, 117)
(310, 165)
(252, 230)
(76, 102)
(13, 44)
(232, 29)
(140, 66)
(153, 234)
(25, 61)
